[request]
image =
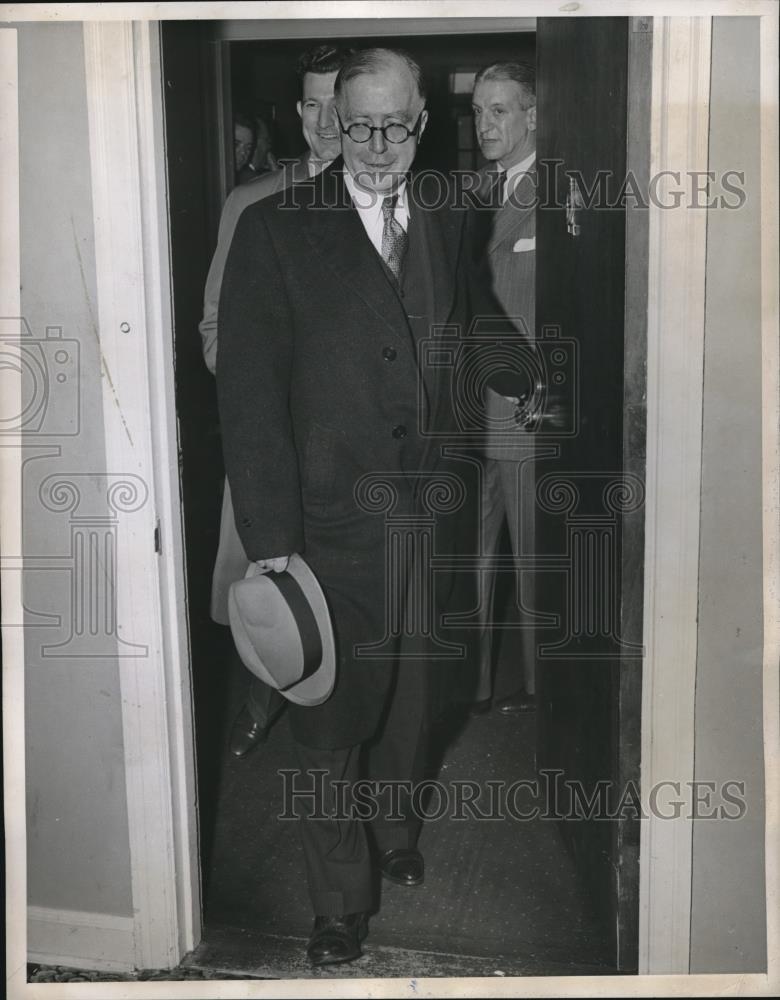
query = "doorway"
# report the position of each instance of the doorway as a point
(242, 845)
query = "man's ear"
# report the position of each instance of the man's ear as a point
(298, 109)
(531, 119)
(423, 123)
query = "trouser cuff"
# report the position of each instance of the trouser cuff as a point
(396, 837)
(338, 904)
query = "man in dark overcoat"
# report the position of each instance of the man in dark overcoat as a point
(317, 70)
(332, 428)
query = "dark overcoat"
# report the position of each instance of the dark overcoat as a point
(319, 386)
(231, 562)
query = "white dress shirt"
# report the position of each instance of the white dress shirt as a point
(513, 174)
(369, 208)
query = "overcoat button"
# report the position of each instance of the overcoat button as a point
(399, 432)
(246, 522)
(389, 354)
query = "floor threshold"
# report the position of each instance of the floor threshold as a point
(237, 952)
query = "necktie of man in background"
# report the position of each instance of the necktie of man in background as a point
(499, 189)
(394, 238)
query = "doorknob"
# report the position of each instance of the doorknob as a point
(574, 202)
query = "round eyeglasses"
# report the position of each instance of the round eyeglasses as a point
(395, 132)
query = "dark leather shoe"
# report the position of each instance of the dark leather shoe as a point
(520, 701)
(405, 866)
(480, 707)
(246, 734)
(337, 939)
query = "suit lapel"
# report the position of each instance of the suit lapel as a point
(300, 170)
(334, 230)
(336, 233)
(291, 172)
(511, 217)
(440, 236)
(440, 232)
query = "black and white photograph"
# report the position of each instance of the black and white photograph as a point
(390, 498)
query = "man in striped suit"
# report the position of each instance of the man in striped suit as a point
(504, 106)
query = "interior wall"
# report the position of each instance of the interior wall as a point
(77, 827)
(728, 918)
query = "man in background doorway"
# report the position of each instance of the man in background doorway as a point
(504, 107)
(317, 71)
(262, 160)
(244, 141)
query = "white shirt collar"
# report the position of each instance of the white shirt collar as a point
(514, 173)
(369, 207)
(519, 168)
(370, 203)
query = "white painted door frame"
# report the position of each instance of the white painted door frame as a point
(675, 374)
(675, 381)
(134, 292)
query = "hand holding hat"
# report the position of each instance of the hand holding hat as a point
(282, 629)
(278, 565)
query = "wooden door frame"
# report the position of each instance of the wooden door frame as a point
(129, 193)
(675, 373)
(127, 137)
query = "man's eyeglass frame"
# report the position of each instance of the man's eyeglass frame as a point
(413, 131)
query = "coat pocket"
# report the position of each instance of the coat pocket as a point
(318, 464)
(525, 245)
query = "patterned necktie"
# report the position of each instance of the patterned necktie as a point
(394, 238)
(499, 188)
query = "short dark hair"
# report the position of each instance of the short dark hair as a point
(371, 61)
(321, 59)
(245, 121)
(522, 73)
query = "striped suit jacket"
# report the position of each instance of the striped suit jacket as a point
(511, 251)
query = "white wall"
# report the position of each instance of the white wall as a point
(77, 839)
(728, 919)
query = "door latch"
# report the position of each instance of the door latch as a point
(574, 202)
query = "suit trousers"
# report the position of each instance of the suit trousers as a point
(264, 703)
(335, 840)
(508, 488)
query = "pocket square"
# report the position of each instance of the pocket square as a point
(524, 245)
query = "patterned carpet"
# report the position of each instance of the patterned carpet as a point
(499, 891)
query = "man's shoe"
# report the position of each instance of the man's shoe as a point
(246, 734)
(520, 701)
(480, 707)
(405, 866)
(337, 939)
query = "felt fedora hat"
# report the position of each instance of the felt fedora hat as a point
(283, 632)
